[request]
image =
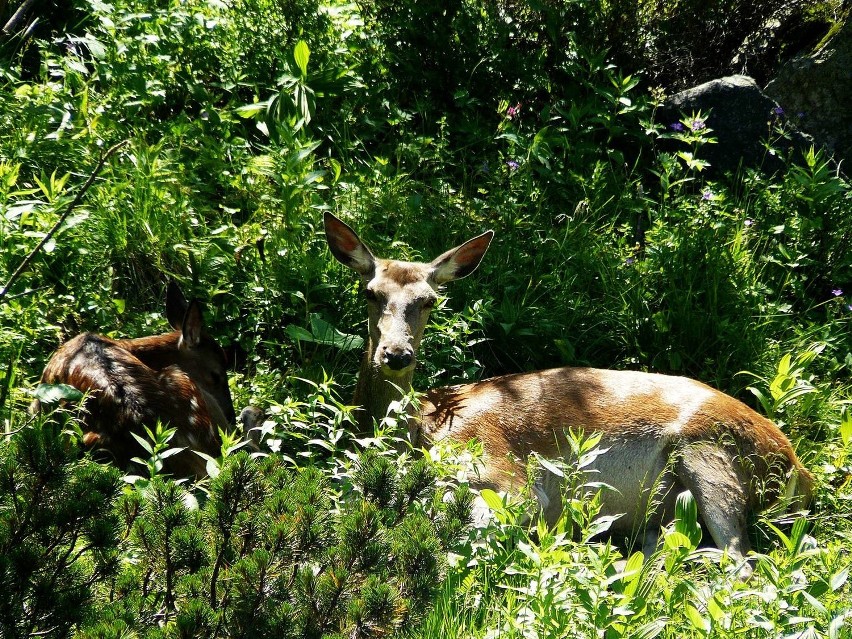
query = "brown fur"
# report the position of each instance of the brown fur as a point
(178, 378)
(663, 434)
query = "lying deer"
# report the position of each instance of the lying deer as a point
(662, 434)
(178, 378)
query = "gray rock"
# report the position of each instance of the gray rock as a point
(819, 87)
(742, 119)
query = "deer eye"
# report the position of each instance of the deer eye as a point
(429, 302)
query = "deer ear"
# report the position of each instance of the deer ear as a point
(347, 247)
(176, 305)
(461, 261)
(193, 326)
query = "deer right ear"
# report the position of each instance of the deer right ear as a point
(347, 247)
(192, 326)
(462, 260)
(176, 306)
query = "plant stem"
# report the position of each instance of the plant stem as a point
(76, 201)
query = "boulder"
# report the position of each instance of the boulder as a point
(742, 119)
(818, 88)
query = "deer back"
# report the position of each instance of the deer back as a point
(645, 419)
(178, 378)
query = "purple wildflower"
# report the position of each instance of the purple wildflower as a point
(837, 292)
(511, 112)
(512, 164)
(707, 195)
(748, 222)
(778, 111)
(800, 114)
(849, 307)
(677, 126)
(629, 261)
(697, 124)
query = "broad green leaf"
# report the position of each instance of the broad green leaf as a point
(325, 333)
(784, 365)
(696, 618)
(298, 333)
(147, 445)
(171, 452)
(491, 499)
(675, 540)
(716, 611)
(686, 518)
(301, 53)
(846, 426)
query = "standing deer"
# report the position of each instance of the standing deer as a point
(178, 378)
(662, 434)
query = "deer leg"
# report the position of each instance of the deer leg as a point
(709, 472)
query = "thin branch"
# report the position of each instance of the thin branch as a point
(17, 17)
(76, 201)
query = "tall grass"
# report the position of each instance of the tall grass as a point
(613, 248)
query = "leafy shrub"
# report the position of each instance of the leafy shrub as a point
(59, 535)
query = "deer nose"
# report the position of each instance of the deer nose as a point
(398, 359)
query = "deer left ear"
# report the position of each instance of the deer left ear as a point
(460, 261)
(347, 247)
(176, 306)
(193, 326)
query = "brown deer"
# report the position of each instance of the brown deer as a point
(179, 378)
(661, 434)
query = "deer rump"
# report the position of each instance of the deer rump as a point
(123, 394)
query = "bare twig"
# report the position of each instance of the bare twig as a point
(17, 17)
(77, 199)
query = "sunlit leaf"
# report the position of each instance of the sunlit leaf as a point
(53, 393)
(301, 53)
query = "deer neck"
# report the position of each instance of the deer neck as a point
(376, 391)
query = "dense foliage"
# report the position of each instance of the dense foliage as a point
(421, 123)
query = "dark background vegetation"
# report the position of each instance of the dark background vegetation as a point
(420, 123)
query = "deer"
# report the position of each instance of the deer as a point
(660, 434)
(178, 379)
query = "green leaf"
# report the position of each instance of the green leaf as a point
(550, 466)
(837, 624)
(686, 518)
(650, 629)
(696, 619)
(54, 393)
(846, 426)
(325, 333)
(147, 445)
(784, 365)
(301, 53)
(717, 613)
(767, 404)
(492, 499)
(675, 540)
(298, 333)
(251, 110)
